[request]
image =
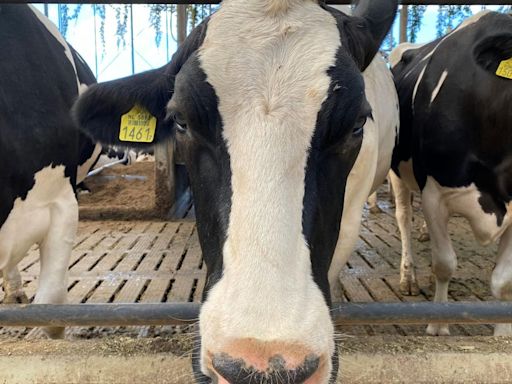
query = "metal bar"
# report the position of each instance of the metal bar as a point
(406, 2)
(109, 165)
(37, 315)
(423, 313)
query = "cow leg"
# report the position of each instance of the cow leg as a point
(424, 235)
(372, 203)
(55, 252)
(403, 211)
(501, 280)
(444, 259)
(13, 286)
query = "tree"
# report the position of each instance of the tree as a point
(410, 22)
(188, 16)
(449, 16)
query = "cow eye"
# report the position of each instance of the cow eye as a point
(181, 124)
(359, 126)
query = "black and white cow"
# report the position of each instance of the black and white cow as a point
(40, 77)
(268, 104)
(455, 146)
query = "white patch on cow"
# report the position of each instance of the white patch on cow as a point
(30, 219)
(56, 34)
(465, 202)
(372, 163)
(416, 86)
(84, 168)
(82, 88)
(396, 54)
(48, 216)
(269, 98)
(472, 20)
(439, 203)
(440, 83)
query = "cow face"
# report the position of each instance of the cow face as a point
(267, 102)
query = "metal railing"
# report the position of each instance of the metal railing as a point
(40, 315)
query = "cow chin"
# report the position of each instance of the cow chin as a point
(270, 338)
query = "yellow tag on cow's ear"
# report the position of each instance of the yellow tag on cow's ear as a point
(137, 126)
(505, 69)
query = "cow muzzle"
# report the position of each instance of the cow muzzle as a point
(254, 362)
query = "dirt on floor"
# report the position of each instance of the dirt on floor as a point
(179, 345)
(123, 192)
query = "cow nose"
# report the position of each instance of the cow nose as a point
(276, 370)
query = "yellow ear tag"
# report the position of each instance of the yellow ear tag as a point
(137, 126)
(505, 69)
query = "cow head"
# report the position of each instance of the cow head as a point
(266, 99)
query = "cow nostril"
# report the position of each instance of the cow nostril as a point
(236, 371)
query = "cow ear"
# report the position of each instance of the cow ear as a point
(367, 28)
(490, 51)
(99, 110)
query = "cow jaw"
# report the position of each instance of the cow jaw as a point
(269, 99)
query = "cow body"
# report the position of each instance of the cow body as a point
(281, 141)
(455, 146)
(38, 150)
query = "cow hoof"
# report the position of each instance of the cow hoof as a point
(503, 330)
(375, 209)
(424, 237)
(16, 298)
(438, 330)
(54, 333)
(409, 288)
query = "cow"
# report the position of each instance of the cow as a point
(267, 102)
(40, 79)
(455, 147)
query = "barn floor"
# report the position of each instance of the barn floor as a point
(140, 261)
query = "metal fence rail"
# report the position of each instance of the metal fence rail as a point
(38, 315)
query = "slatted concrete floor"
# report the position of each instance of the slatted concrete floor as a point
(125, 262)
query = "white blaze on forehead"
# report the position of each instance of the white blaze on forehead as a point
(270, 77)
(56, 34)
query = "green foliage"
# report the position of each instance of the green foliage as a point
(122, 12)
(416, 13)
(155, 18)
(449, 16)
(100, 10)
(65, 18)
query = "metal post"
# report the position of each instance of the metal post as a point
(132, 39)
(95, 43)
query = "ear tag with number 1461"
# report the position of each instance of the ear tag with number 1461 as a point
(137, 126)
